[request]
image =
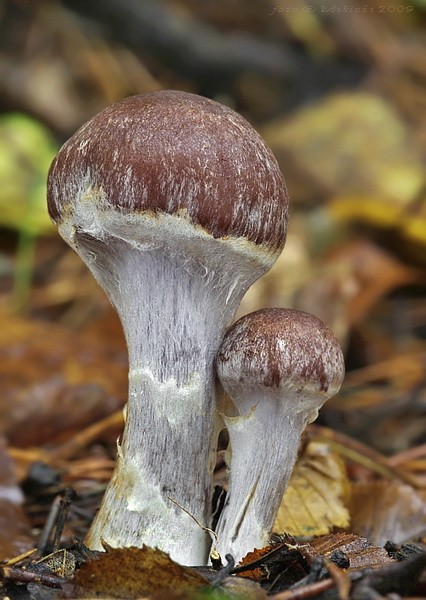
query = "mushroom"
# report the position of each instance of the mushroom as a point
(177, 206)
(277, 367)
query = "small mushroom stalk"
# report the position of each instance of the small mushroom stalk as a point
(177, 207)
(277, 367)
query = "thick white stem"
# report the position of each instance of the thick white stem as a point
(264, 446)
(166, 455)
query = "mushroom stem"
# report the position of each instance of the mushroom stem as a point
(258, 476)
(174, 309)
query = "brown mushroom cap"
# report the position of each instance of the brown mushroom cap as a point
(177, 153)
(281, 348)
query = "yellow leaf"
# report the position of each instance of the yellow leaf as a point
(26, 151)
(348, 144)
(316, 498)
(375, 211)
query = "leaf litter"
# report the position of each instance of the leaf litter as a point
(355, 257)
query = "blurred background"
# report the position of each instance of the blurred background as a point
(337, 89)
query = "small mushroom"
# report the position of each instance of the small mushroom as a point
(177, 206)
(277, 367)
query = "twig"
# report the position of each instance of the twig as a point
(22, 576)
(68, 496)
(340, 578)
(21, 557)
(412, 364)
(407, 455)
(223, 572)
(307, 591)
(362, 454)
(49, 524)
(87, 436)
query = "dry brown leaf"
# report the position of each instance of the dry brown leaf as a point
(133, 573)
(55, 381)
(316, 499)
(387, 510)
(364, 272)
(15, 529)
(257, 573)
(377, 404)
(359, 551)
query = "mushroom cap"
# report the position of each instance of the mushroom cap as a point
(281, 349)
(177, 153)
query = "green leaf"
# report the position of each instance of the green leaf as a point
(26, 151)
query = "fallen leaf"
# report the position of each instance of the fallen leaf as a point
(257, 573)
(15, 529)
(396, 581)
(358, 550)
(351, 144)
(363, 273)
(387, 510)
(54, 381)
(61, 562)
(278, 559)
(26, 151)
(133, 573)
(372, 405)
(315, 500)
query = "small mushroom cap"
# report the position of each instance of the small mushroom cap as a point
(177, 153)
(281, 348)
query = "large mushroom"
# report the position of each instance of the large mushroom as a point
(177, 206)
(277, 367)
